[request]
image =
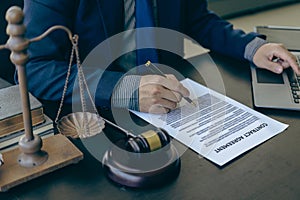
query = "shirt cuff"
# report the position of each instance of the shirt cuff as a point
(252, 47)
(126, 93)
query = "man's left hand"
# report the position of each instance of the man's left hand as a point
(265, 55)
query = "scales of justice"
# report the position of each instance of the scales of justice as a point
(36, 157)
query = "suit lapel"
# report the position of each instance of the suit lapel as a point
(111, 13)
(169, 12)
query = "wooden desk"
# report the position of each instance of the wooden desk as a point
(269, 171)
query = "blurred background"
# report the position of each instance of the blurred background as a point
(244, 14)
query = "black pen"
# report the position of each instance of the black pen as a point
(148, 64)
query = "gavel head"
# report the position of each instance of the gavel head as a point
(148, 141)
(150, 160)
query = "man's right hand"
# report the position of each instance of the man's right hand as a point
(158, 94)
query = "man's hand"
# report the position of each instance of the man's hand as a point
(158, 94)
(264, 56)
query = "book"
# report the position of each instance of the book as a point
(44, 129)
(11, 118)
(4, 83)
(1, 159)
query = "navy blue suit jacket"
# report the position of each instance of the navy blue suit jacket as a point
(96, 20)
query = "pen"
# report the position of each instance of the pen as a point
(148, 64)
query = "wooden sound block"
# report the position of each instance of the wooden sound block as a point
(142, 170)
(61, 152)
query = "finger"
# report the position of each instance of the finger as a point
(171, 105)
(169, 82)
(162, 102)
(284, 64)
(297, 67)
(171, 95)
(274, 67)
(158, 91)
(163, 106)
(173, 84)
(288, 59)
(157, 109)
(291, 63)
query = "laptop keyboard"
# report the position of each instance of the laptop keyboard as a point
(294, 83)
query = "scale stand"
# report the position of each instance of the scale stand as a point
(35, 157)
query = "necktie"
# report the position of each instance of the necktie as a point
(144, 18)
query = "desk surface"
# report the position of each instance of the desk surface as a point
(269, 171)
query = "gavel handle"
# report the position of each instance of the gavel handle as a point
(128, 133)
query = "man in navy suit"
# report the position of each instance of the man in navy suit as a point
(97, 20)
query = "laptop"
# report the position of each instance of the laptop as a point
(279, 91)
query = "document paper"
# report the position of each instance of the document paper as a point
(219, 128)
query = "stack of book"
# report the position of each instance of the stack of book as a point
(11, 118)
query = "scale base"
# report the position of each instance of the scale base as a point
(139, 170)
(61, 151)
(32, 160)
